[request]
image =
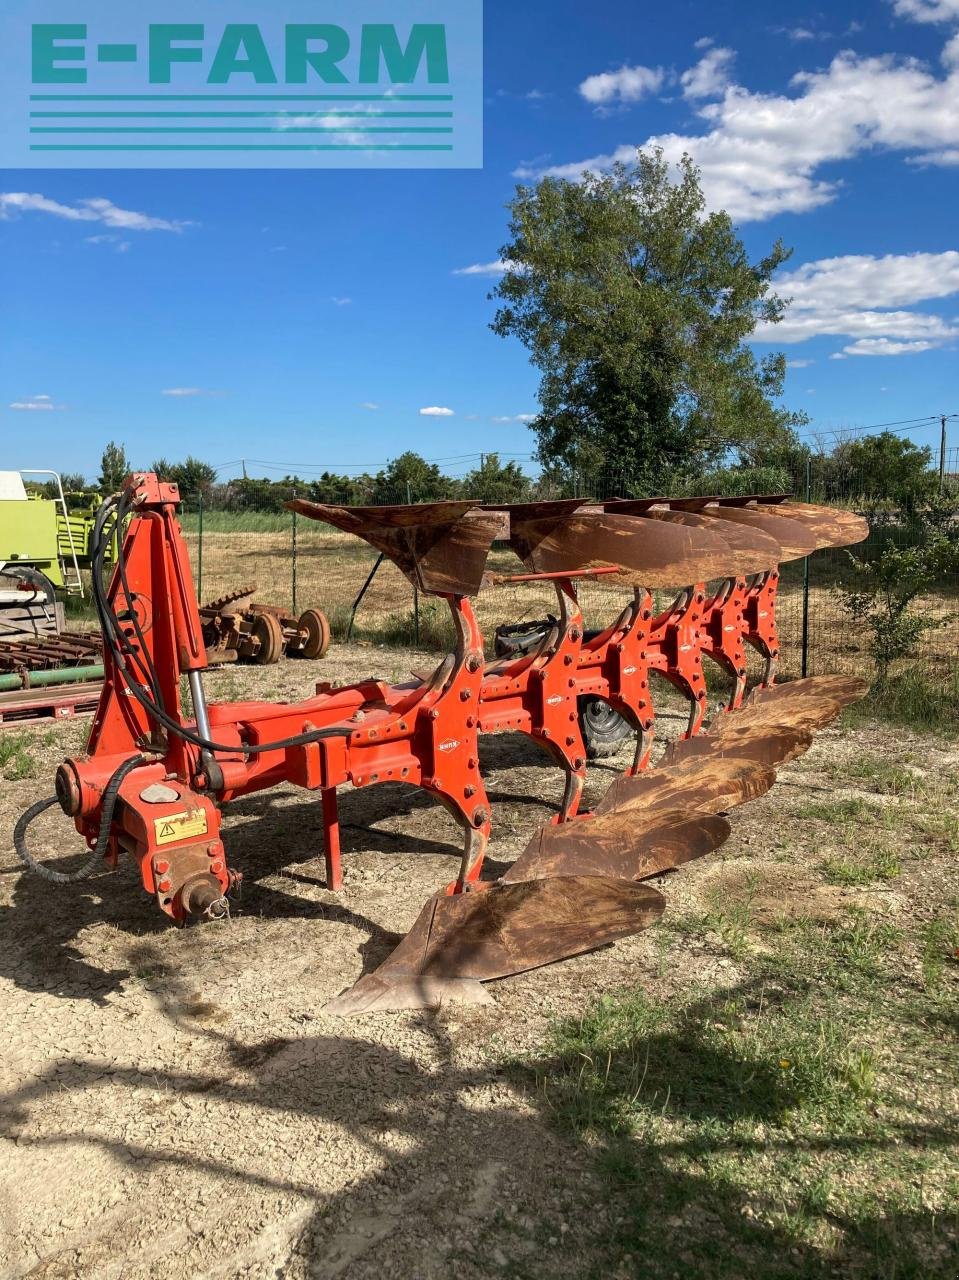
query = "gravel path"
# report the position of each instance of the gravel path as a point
(174, 1104)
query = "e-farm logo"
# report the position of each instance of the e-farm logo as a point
(310, 83)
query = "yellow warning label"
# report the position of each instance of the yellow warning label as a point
(180, 826)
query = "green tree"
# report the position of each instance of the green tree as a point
(494, 482)
(884, 467)
(114, 468)
(892, 581)
(636, 305)
(351, 491)
(410, 478)
(192, 476)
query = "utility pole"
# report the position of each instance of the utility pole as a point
(942, 453)
(243, 465)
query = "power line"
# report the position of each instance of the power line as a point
(905, 426)
(901, 426)
(359, 467)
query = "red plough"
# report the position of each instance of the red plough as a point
(154, 780)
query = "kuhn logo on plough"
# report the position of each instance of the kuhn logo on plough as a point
(578, 884)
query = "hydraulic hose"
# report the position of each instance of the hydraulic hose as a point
(106, 820)
(121, 649)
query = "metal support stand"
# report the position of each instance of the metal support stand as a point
(359, 599)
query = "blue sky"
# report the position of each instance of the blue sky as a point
(310, 318)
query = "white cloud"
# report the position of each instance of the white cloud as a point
(863, 297)
(516, 417)
(368, 404)
(121, 245)
(436, 411)
(628, 84)
(882, 347)
(186, 392)
(95, 209)
(710, 76)
(762, 153)
(799, 364)
(497, 268)
(341, 302)
(36, 404)
(927, 10)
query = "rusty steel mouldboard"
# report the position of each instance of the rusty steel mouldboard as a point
(751, 550)
(608, 845)
(646, 552)
(831, 526)
(794, 538)
(441, 547)
(458, 942)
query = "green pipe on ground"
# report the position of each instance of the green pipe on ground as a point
(63, 675)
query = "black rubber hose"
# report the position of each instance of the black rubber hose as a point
(106, 821)
(120, 648)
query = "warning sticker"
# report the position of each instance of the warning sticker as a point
(180, 826)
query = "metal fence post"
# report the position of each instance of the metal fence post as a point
(199, 554)
(294, 557)
(805, 585)
(942, 453)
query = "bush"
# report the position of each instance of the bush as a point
(895, 577)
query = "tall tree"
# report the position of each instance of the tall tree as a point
(410, 478)
(883, 466)
(114, 468)
(636, 305)
(493, 481)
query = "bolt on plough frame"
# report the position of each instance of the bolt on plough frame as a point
(153, 781)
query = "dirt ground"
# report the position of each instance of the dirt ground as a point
(174, 1103)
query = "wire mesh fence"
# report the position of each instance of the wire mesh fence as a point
(298, 563)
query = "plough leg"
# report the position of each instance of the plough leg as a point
(331, 840)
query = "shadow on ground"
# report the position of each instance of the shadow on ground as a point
(454, 1169)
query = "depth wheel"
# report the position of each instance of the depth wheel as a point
(604, 730)
(316, 625)
(267, 630)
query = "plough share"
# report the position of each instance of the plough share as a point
(154, 780)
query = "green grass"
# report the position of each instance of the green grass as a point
(940, 948)
(237, 521)
(915, 699)
(867, 868)
(399, 630)
(882, 776)
(16, 762)
(768, 1129)
(841, 812)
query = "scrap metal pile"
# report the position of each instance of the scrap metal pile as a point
(154, 780)
(260, 633)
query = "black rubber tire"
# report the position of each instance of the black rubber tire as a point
(604, 730)
(514, 639)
